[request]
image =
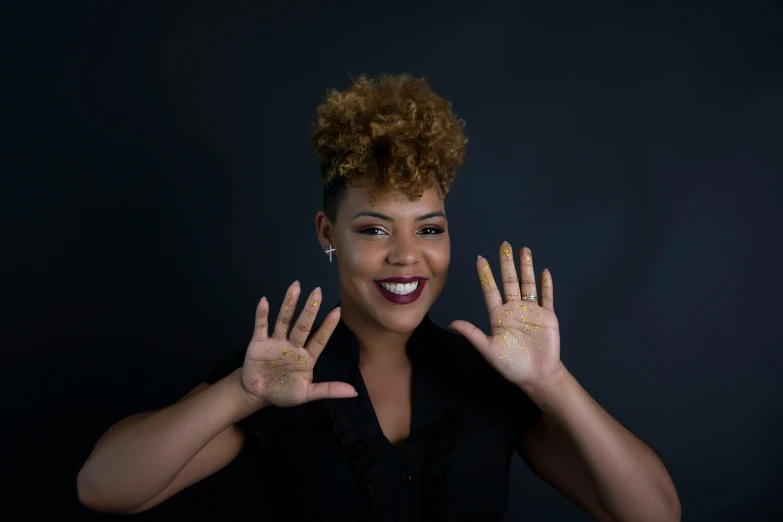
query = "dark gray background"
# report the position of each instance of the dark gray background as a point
(160, 182)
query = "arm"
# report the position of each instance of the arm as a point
(550, 453)
(593, 460)
(216, 455)
(146, 458)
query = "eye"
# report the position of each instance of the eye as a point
(369, 231)
(434, 230)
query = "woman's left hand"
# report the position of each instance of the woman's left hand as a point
(524, 345)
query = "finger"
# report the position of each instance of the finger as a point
(304, 323)
(472, 334)
(488, 286)
(547, 290)
(261, 329)
(526, 269)
(318, 341)
(330, 390)
(286, 311)
(508, 273)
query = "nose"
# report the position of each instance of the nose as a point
(402, 251)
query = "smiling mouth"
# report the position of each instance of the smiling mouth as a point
(399, 288)
(401, 293)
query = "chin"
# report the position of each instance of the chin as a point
(395, 317)
(401, 321)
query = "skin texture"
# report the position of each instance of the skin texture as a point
(368, 249)
(524, 345)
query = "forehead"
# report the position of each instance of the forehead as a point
(364, 197)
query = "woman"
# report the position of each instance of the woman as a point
(397, 419)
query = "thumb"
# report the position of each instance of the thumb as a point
(472, 334)
(330, 390)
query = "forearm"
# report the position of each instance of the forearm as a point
(630, 479)
(140, 455)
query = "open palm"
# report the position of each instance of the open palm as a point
(279, 369)
(524, 341)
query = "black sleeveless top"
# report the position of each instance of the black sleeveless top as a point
(329, 459)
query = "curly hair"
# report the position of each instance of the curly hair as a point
(394, 131)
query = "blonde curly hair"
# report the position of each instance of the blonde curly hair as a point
(394, 131)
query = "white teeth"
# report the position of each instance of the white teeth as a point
(399, 288)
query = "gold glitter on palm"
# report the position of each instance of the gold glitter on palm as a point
(278, 369)
(524, 340)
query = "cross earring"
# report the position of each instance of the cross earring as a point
(329, 251)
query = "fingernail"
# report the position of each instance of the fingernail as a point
(355, 393)
(479, 257)
(296, 282)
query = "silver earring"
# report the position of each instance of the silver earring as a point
(329, 251)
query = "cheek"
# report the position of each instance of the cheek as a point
(439, 257)
(362, 260)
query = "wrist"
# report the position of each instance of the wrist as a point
(245, 402)
(548, 387)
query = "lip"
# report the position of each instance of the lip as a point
(401, 299)
(402, 280)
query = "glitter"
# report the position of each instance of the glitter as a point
(486, 278)
(505, 249)
(314, 302)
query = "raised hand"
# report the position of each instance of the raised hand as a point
(278, 370)
(524, 345)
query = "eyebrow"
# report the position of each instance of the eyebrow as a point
(378, 215)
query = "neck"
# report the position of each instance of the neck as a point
(377, 345)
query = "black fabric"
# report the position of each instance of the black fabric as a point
(329, 459)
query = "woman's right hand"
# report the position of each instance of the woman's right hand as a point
(278, 370)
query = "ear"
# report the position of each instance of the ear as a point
(324, 229)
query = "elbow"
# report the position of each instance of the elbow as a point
(669, 510)
(89, 493)
(85, 488)
(675, 510)
(91, 497)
